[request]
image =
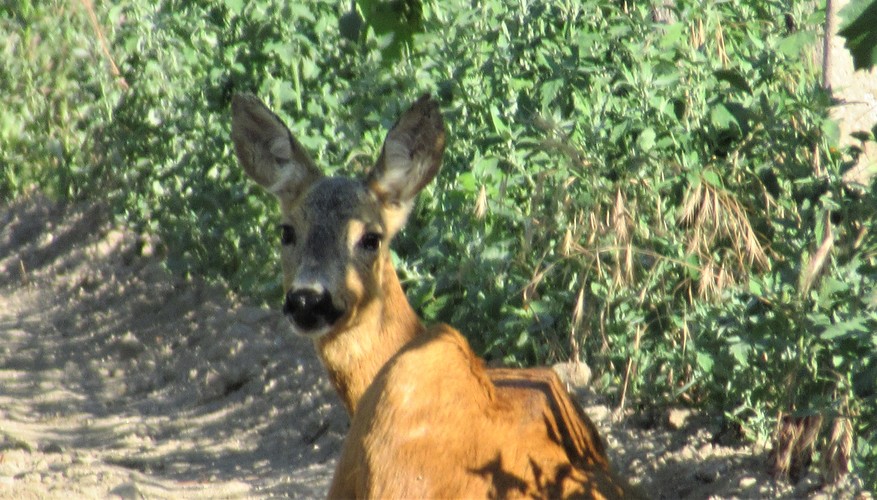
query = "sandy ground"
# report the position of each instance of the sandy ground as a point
(119, 380)
(116, 379)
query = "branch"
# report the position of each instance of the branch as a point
(89, 7)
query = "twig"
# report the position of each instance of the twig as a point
(817, 261)
(89, 7)
(24, 280)
(830, 22)
(631, 367)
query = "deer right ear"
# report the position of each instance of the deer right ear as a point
(267, 151)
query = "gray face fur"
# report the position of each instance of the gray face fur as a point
(339, 240)
(335, 231)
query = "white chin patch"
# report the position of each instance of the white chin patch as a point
(311, 333)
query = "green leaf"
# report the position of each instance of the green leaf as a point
(740, 351)
(692, 266)
(705, 362)
(234, 6)
(157, 188)
(549, 91)
(466, 182)
(523, 338)
(845, 329)
(792, 46)
(673, 33)
(831, 286)
(734, 78)
(496, 118)
(395, 22)
(831, 132)
(711, 178)
(646, 139)
(860, 31)
(722, 118)
(755, 286)
(485, 166)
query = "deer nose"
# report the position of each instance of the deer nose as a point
(310, 310)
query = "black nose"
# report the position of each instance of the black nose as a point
(310, 309)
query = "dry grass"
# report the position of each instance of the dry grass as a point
(621, 224)
(794, 442)
(719, 234)
(837, 451)
(796, 438)
(721, 237)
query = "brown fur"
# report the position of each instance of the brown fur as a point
(428, 420)
(436, 424)
(353, 357)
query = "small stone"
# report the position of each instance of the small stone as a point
(747, 482)
(707, 475)
(705, 449)
(599, 413)
(687, 453)
(52, 448)
(576, 374)
(127, 490)
(677, 417)
(129, 346)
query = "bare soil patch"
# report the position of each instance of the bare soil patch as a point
(118, 379)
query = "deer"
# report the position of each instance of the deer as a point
(428, 418)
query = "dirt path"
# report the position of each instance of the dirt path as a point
(119, 380)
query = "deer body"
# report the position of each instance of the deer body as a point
(428, 419)
(441, 426)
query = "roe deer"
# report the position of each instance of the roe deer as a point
(428, 419)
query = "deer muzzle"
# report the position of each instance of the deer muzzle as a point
(311, 312)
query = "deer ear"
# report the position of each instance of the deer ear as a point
(412, 154)
(267, 151)
(410, 158)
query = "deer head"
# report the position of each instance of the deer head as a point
(334, 231)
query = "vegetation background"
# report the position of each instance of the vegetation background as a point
(656, 190)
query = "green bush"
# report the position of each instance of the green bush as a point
(645, 188)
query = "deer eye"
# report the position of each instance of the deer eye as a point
(370, 242)
(287, 235)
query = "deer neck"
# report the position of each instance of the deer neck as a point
(354, 356)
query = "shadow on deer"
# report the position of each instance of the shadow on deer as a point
(427, 418)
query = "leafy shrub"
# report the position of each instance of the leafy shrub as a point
(56, 97)
(656, 190)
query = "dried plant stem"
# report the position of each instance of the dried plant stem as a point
(89, 7)
(577, 314)
(631, 367)
(817, 261)
(24, 280)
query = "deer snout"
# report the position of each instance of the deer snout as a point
(310, 311)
